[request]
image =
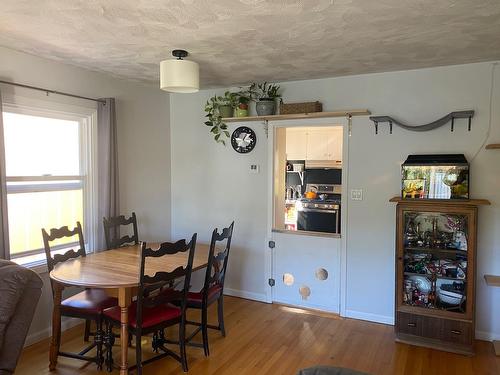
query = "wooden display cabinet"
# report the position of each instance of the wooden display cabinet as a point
(435, 273)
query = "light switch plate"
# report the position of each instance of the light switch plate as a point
(357, 194)
(254, 168)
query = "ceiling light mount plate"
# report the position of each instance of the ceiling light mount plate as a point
(179, 53)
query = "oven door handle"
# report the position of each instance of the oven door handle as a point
(319, 210)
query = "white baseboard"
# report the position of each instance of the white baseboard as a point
(370, 317)
(310, 306)
(35, 337)
(261, 297)
(487, 336)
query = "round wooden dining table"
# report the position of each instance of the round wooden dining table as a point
(117, 272)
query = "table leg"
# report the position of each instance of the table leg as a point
(55, 341)
(124, 301)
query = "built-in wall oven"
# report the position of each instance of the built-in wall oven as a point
(320, 215)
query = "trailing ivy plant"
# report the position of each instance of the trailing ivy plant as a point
(214, 119)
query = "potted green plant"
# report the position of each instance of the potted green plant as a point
(241, 100)
(214, 116)
(226, 104)
(266, 94)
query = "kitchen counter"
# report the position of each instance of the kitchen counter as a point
(308, 233)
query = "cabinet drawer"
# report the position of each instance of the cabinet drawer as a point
(457, 332)
(452, 331)
(409, 324)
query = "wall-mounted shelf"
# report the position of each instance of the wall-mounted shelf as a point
(492, 280)
(465, 202)
(300, 116)
(425, 127)
(493, 146)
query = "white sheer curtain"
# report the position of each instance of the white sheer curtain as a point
(107, 159)
(4, 226)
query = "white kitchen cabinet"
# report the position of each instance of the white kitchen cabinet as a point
(335, 141)
(317, 145)
(296, 144)
(314, 144)
(324, 144)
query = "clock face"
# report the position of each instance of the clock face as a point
(243, 140)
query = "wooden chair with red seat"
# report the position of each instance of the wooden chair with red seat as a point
(112, 229)
(87, 304)
(153, 310)
(213, 288)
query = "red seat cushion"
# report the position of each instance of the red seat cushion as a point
(90, 301)
(151, 316)
(213, 292)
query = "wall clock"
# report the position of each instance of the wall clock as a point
(243, 140)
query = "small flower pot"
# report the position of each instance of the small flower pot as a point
(241, 110)
(226, 111)
(265, 107)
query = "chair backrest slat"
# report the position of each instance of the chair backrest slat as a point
(217, 260)
(112, 231)
(150, 286)
(58, 233)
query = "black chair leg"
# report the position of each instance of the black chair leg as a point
(86, 333)
(182, 346)
(138, 353)
(204, 330)
(98, 339)
(220, 313)
(110, 341)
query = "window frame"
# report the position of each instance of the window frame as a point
(87, 177)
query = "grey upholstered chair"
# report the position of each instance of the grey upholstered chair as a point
(20, 290)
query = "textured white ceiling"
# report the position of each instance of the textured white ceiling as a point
(239, 41)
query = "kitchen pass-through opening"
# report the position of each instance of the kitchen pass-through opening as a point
(308, 179)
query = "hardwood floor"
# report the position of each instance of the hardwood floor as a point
(272, 339)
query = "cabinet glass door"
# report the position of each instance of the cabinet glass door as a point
(435, 250)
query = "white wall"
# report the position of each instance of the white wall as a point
(211, 184)
(143, 141)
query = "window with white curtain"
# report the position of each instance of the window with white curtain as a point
(49, 168)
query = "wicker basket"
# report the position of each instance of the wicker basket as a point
(307, 107)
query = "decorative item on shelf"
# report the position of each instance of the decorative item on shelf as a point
(441, 176)
(306, 107)
(265, 95)
(242, 99)
(179, 75)
(426, 127)
(243, 140)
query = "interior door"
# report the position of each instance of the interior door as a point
(306, 271)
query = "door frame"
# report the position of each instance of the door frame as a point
(270, 254)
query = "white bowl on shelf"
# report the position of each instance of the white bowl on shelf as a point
(451, 298)
(422, 283)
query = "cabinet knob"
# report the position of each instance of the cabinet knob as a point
(456, 332)
(412, 324)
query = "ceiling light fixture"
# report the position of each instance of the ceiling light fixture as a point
(178, 75)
